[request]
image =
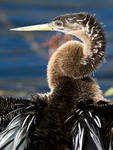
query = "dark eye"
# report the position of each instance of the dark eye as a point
(59, 23)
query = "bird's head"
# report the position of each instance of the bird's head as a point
(65, 23)
(69, 22)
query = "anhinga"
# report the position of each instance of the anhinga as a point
(74, 114)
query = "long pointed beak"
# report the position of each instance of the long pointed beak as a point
(45, 27)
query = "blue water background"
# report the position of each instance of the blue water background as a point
(23, 68)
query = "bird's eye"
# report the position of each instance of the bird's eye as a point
(58, 23)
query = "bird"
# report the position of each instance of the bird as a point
(73, 115)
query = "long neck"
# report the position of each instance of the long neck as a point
(76, 59)
(94, 43)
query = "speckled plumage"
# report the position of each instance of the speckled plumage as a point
(74, 115)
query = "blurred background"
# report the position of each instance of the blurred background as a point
(24, 55)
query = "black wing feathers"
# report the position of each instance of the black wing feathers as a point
(15, 136)
(93, 126)
(25, 112)
(85, 132)
(9, 107)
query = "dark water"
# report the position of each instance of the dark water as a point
(23, 60)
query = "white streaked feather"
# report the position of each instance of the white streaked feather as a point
(25, 120)
(76, 141)
(20, 135)
(94, 136)
(8, 138)
(32, 120)
(98, 120)
(17, 132)
(81, 139)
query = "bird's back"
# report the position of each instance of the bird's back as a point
(61, 120)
